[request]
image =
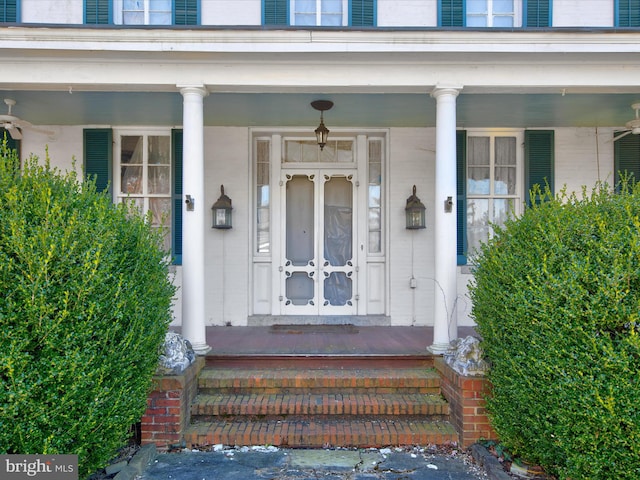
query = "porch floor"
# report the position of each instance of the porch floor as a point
(323, 340)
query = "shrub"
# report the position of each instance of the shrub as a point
(85, 306)
(556, 298)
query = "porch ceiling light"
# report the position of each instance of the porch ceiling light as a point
(415, 212)
(221, 211)
(322, 132)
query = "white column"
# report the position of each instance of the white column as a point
(445, 326)
(194, 218)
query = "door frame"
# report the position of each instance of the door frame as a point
(373, 286)
(319, 268)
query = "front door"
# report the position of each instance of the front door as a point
(318, 269)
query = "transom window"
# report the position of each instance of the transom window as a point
(142, 169)
(143, 12)
(305, 151)
(325, 13)
(492, 13)
(494, 171)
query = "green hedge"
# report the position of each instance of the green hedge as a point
(556, 298)
(86, 302)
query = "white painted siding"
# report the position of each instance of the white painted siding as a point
(583, 13)
(407, 13)
(226, 12)
(579, 160)
(412, 157)
(52, 11)
(391, 13)
(226, 153)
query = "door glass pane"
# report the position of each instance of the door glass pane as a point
(300, 221)
(337, 289)
(374, 196)
(263, 196)
(299, 289)
(338, 221)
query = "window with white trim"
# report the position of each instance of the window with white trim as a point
(324, 13)
(143, 12)
(142, 175)
(493, 13)
(494, 182)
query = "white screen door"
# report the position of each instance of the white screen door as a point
(318, 266)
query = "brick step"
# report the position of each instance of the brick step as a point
(326, 362)
(206, 407)
(215, 380)
(319, 432)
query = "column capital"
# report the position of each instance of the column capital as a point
(191, 89)
(441, 90)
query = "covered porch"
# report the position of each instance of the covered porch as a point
(324, 340)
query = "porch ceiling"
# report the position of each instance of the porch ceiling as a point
(350, 109)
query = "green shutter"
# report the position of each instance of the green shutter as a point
(176, 227)
(537, 13)
(275, 12)
(626, 158)
(461, 195)
(628, 13)
(362, 13)
(185, 12)
(12, 144)
(96, 12)
(98, 146)
(451, 13)
(8, 11)
(539, 160)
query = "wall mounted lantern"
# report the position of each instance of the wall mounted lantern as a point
(221, 211)
(322, 132)
(415, 212)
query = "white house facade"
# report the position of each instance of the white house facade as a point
(471, 101)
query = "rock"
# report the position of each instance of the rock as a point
(178, 355)
(466, 357)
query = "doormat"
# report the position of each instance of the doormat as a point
(319, 329)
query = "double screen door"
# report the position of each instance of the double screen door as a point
(318, 268)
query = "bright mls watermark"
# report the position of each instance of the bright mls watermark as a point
(45, 467)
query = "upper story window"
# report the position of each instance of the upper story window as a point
(627, 13)
(324, 13)
(494, 13)
(9, 11)
(141, 12)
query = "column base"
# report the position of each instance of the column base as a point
(438, 348)
(201, 348)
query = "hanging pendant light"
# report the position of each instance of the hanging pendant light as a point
(322, 132)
